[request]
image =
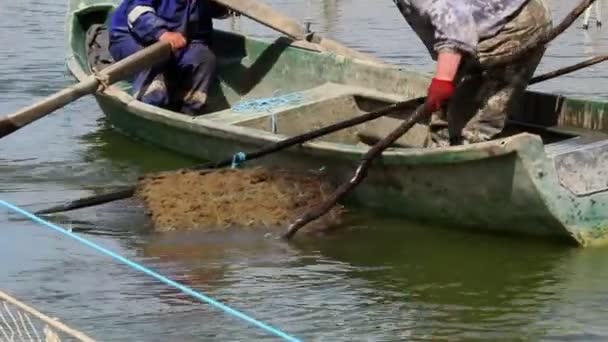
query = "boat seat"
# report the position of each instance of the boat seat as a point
(581, 163)
(575, 143)
(319, 94)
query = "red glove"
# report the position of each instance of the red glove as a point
(438, 93)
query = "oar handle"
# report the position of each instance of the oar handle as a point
(141, 60)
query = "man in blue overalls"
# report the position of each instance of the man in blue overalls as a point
(182, 83)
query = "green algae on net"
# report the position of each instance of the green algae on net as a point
(234, 198)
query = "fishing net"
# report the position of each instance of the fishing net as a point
(234, 198)
(20, 322)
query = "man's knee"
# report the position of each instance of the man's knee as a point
(155, 92)
(483, 120)
(198, 56)
(123, 48)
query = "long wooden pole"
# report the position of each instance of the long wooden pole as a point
(266, 15)
(141, 60)
(568, 69)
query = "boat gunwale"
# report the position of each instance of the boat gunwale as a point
(393, 155)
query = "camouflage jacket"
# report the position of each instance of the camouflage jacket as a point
(456, 24)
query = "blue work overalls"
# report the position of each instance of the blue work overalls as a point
(182, 83)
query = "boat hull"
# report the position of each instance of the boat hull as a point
(493, 193)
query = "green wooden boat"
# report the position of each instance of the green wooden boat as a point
(538, 181)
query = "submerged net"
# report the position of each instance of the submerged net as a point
(234, 198)
(20, 322)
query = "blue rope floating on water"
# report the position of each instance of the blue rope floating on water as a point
(266, 104)
(151, 273)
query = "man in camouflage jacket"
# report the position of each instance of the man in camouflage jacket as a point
(463, 35)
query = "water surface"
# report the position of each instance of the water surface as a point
(382, 280)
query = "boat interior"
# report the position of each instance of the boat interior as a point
(268, 87)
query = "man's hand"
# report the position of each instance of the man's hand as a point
(442, 85)
(439, 92)
(176, 40)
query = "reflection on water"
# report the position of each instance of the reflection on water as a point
(381, 280)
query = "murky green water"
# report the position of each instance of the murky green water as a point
(384, 280)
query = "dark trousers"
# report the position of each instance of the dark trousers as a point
(485, 98)
(181, 84)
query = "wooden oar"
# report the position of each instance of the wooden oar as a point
(271, 148)
(266, 15)
(141, 60)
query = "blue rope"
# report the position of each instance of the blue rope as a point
(266, 104)
(237, 159)
(151, 273)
